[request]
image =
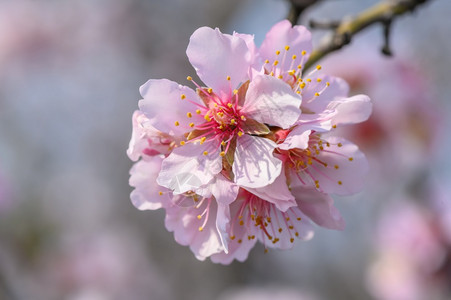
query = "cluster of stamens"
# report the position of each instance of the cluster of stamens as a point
(261, 217)
(222, 119)
(293, 75)
(303, 161)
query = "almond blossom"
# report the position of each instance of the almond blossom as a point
(248, 157)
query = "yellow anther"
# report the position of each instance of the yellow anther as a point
(216, 104)
(243, 118)
(207, 117)
(232, 237)
(229, 105)
(266, 250)
(276, 62)
(189, 115)
(292, 240)
(202, 140)
(199, 217)
(294, 57)
(280, 229)
(339, 144)
(182, 96)
(235, 92)
(319, 80)
(291, 73)
(176, 123)
(228, 78)
(182, 143)
(291, 226)
(201, 228)
(271, 74)
(223, 143)
(308, 80)
(239, 241)
(334, 126)
(298, 219)
(160, 193)
(241, 222)
(240, 133)
(336, 167)
(266, 61)
(318, 67)
(221, 127)
(288, 219)
(327, 83)
(191, 124)
(189, 78)
(302, 85)
(304, 52)
(309, 161)
(280, 76)
(296, 233)
(222, 153)
(220, 114)
(316, 94)
(340, 183)
(287, 48)
(198, 111)
(209, 90)
(205, 153)
(350, 159)
(298, 92)
(299, 67)
(232, 121)
(277, 52)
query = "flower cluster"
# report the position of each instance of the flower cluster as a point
(250, 153)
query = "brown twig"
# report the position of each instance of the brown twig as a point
(296, 9)
(343, 31)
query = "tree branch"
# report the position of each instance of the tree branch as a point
(343, 31)
(296, 9)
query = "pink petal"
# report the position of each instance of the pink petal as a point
(351, 110)
(187, 169)
(215, 56)
(224, 190)
(184, 223)
(223, 224)
(146, 140)
(276, 193)
(318, 207)
(162, 104)
(272, 101)
(298, 38)
(146, 194)
(297, 138)
(338, 89)
(254, 164)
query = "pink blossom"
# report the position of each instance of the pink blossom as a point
(410, 254)
(248, 157)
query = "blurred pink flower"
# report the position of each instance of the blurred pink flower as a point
(410, 255)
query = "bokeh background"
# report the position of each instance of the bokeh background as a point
(69, 78)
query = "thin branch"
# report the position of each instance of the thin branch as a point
(343, 31)
(296, 9)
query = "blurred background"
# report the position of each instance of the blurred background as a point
(69, 78)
